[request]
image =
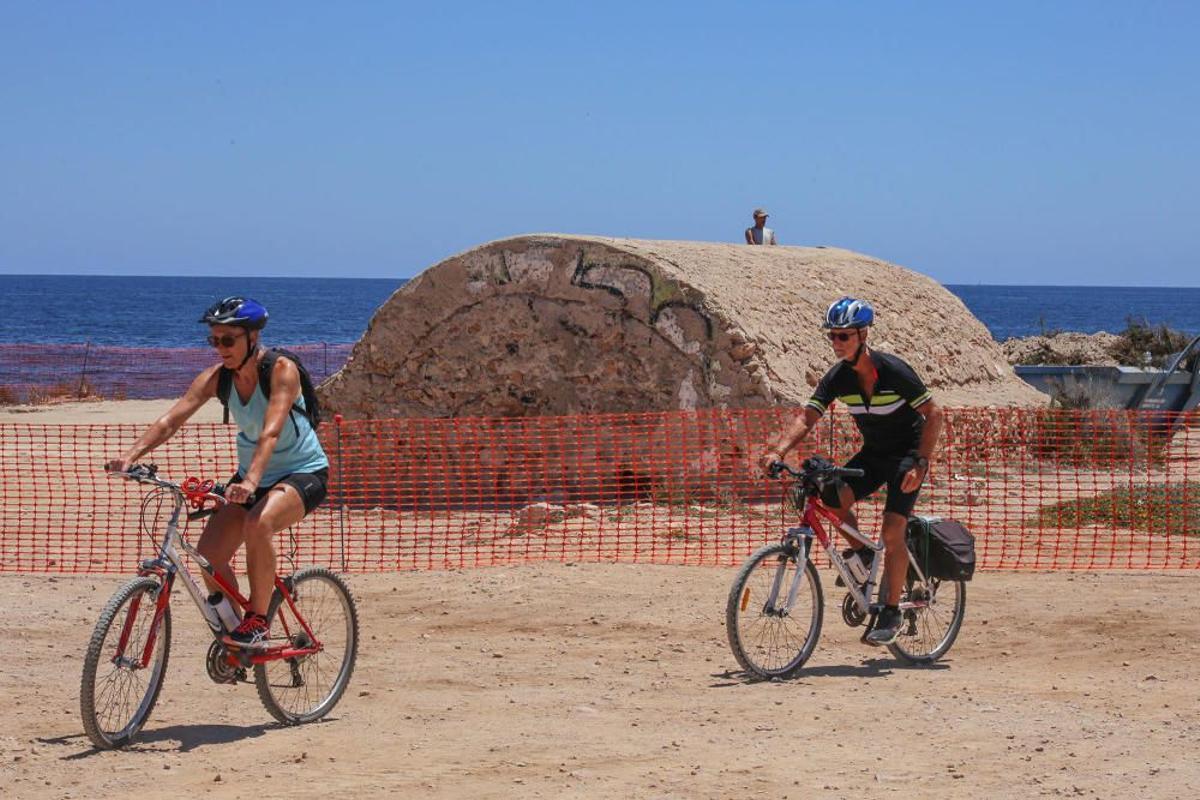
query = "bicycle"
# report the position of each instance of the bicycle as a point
(300, 675)
(775, 608)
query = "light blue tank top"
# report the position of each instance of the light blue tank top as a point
(298, 449)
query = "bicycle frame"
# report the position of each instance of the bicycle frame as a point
(811, 528)
(170, 564)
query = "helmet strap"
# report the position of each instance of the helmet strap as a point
(251, 348)
(862, 346)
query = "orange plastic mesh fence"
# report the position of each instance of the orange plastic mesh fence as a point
(1040, 489)
(37, 372)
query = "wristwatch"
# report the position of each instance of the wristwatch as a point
(923, 462)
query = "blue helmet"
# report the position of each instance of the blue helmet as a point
(849, 312)
(239, 311)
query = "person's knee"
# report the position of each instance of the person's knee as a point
(893, 528)
(257, 531)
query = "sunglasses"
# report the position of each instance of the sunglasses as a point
(222, 341)
(841, 337)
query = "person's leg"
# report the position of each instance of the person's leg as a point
(854, 489)
(221, 538)
(896, 511)
(845, 509)
(896, 554)
(282, 506)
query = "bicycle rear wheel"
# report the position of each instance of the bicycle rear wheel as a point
(297, 690)
(931, 624)
(118, 692)
(771, 632)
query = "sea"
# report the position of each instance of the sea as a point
(165, 311)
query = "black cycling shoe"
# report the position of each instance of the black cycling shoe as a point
(866, 554)
(887, 626)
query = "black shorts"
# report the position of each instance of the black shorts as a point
(312, 486)
(879, 469)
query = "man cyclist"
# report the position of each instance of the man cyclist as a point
(899, 423)
(282, 469)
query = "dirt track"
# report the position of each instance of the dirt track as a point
(614, 681)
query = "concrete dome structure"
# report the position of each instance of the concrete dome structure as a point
(560, 324)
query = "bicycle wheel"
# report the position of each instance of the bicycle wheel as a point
(118, 692)
(296, 690)
(772, 638)
(929, 627)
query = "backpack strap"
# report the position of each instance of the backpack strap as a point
(224, 387)
(265, 367)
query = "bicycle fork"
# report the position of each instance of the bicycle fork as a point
(800, 539)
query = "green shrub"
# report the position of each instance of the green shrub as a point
(1140, 338)
(1158, 508)
(1098, 438)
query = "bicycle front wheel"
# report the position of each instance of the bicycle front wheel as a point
(119, 687)
(774, 612)
(304, 689)
(932, 614)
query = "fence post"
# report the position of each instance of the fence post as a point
(341, 473)
(87, 349)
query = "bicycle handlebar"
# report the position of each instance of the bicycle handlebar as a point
(193, 490)
(814, 469)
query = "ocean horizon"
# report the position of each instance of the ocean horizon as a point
(164, 311)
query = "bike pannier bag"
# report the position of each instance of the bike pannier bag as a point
(942, 547)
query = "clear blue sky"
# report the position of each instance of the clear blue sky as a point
(1001, 143)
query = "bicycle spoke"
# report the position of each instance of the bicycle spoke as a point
(773, 641)
(116, 693)
(306, 687)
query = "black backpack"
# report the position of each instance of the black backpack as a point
(943, 548)
(311, 409)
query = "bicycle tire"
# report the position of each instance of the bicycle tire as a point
(94, 701)
(274, 679)
(926, 634)
(773, 651)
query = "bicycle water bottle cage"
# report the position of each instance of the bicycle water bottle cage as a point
(196, 491)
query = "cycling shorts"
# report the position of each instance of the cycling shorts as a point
(312, 486)
(879, 469)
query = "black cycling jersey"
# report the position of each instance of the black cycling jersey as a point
(887, 420)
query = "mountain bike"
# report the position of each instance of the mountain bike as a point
(300, 675)
(775, 608)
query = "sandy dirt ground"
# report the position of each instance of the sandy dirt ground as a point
(101, 412)
(617, 681)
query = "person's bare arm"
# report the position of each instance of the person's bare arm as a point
(792, 435)
(749, 236)
(285, 388)
(203, 389)
(934, 419)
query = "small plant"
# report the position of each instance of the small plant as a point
(1049, 333)
(1159, 508)
(1095, 438)
(1080, 395)
(54, 393)
(1144, 345)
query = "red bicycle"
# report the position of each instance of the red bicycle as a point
(775, 608)
(300, 676)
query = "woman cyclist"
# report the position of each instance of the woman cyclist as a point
(282, 470)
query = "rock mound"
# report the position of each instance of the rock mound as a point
(1063, 349)
(557, 324)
